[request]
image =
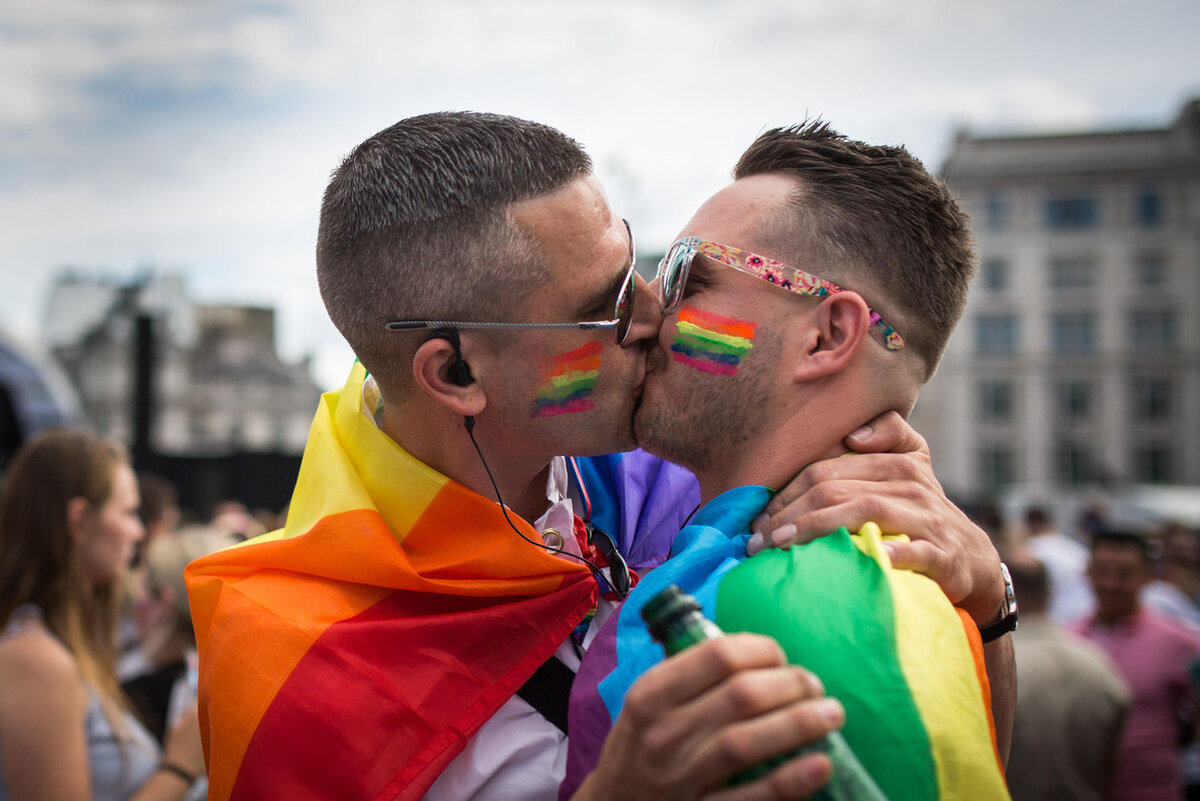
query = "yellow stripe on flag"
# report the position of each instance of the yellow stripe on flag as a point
(930, 637)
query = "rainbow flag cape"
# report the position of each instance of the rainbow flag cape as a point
(906, 664)
(354, 652)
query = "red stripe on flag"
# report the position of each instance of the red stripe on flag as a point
(383, 701)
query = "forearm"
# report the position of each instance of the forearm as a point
(1000, 662)
(162, 786)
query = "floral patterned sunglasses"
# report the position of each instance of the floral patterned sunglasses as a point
(673, 273)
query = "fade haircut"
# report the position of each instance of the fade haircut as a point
(872, 212)
(415, 225)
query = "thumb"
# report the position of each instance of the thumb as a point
(887, 433)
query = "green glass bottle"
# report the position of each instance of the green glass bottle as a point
(676, 622)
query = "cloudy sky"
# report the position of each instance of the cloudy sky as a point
(197, 135)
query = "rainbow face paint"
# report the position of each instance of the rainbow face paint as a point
(711, 343)
(571, 380)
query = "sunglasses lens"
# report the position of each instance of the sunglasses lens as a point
(674, 273)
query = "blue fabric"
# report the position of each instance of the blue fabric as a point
(704, 551)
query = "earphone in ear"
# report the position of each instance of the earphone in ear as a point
(458, 372)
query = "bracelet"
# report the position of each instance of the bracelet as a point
(178, 771)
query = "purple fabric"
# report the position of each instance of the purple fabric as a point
(642, 501)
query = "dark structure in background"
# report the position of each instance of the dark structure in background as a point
(197, 392)
(31, 399)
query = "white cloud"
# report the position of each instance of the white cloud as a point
(201, 134)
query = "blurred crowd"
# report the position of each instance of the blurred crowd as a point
(1108, 658)
(98, 655)
(97, 652)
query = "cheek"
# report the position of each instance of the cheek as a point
(710, 343)
(568, 382)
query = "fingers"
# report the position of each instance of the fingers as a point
(881, 467)
(898, 507)
(889, 432)
(752, 742)
(714, 710)
(799, 778)
(697, 670)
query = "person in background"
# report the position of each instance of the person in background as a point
(1071, 702)
(1174, 592)
(160, 507)
(68, 526)
(170, 645)
(1155, 656)
(160, 515)
(233, 517)
(1066, 562)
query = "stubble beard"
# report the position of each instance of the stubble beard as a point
(697, 429)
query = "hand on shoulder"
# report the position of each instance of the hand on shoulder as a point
(889, 480)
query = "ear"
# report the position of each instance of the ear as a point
(78, 510)
(834, 334)
(432, 369)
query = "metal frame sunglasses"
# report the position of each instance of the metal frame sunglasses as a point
(674, 267)
(621, 323)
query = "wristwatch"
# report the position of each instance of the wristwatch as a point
(1008, 611)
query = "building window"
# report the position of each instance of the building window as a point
(1072, 272)
(1150, 269)
(1073, 462)
(1074, 399)
(1152, 330)
(1073, 333)
(995, 275)
(996, 401)
(1149, 209)
(997, 466)
(1153, 463)
(996, 333)
(1071, 212)
(1152, 399)
(995, 211)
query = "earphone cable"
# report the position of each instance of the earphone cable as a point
(596, 571)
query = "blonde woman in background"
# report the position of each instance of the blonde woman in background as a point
(68, 526)
(169, 646)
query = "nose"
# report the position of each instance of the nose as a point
(647, 315)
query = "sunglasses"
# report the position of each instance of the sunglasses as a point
(621, 323)
(674, 267)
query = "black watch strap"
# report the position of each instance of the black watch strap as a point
(1008, 612)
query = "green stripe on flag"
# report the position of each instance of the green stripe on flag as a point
(830, 606)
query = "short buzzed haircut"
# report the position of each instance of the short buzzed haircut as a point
(876, 212)
(415, 225)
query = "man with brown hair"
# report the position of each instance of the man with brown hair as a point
(814, 293)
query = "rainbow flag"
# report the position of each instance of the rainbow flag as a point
(353, 653)
(570, 383)
(710, 342)
(907, 665)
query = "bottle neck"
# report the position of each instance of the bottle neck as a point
(688, 630)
